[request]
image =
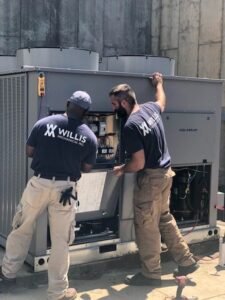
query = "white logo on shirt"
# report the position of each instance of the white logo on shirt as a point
(65, 134)
(50, 130)
(146, 127)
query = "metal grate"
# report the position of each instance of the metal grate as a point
(13, 123)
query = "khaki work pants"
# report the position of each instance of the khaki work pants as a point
(153, 220)
(38, 195)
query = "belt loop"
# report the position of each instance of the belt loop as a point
(76, 195)
(39, 175)
(75, 187)
(68, 179)
(53, 178)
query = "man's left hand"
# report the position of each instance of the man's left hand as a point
(118, 170)
(156, 79)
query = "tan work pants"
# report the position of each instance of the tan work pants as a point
(38, 195)
(153, 220)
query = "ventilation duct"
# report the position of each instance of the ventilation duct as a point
(138, 64)
(71, 58)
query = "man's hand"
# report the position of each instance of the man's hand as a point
(66, 196)
(160, 97)
(30, 151)
(156, 78)
(118, 170)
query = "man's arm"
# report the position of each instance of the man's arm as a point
(136, 164)
(160, 97)
(90, 159)
(30, 151)
(86, 168)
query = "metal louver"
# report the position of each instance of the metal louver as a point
(13, 124)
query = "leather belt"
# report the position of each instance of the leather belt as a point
(58, 177)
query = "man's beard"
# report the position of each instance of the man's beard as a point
(121, 112)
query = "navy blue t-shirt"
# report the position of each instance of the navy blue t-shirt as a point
(144, 130)
(61, 145)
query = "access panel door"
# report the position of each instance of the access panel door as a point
(190, 137)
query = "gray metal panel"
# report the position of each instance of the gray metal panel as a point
(39, 241)
(13, 112)
(190, 137)
(33, 110)
(127, 196)
(126, 231)
(138, 64)
(183, 94)
(193, 95)
(98, 194)
(71, 58)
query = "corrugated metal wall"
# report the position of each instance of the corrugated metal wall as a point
(13, 119)
(105, 26)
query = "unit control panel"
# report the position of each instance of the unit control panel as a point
(105, 128)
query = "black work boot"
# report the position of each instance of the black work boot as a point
(5, 280)
(140, 280)
(183, 271)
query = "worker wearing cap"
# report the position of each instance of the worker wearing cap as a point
(61, 147)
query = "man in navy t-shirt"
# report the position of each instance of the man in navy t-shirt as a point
(61, 147)
(145, 143)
